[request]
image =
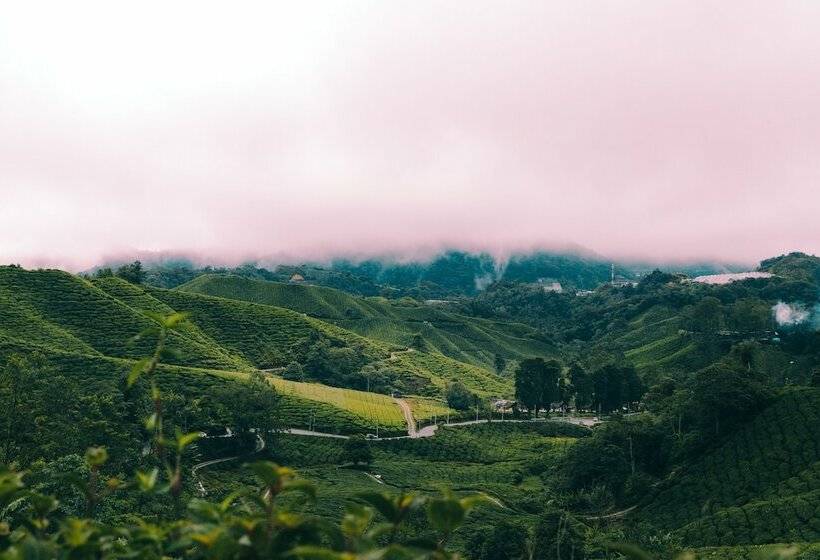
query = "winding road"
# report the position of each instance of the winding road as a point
(260, 445)
(412, 433)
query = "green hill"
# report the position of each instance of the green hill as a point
(468, 339)
(53, 310)
(56, 310)
(762, 485)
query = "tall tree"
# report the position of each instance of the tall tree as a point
(132, 272)
(458, 396)
(615, 385)
(582, 386)
(707, 315)
(499, 363)
(536, 383)
(724, 394)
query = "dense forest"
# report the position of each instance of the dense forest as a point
(377, 409)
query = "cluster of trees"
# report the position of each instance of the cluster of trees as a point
(625, 457)
(554, 535)
(541, 383)
(132, 272)
(459, 397)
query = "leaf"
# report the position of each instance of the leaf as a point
(184, 440)
(319, 553)
(304, 486)
(96, 456)
(76, 532)
(473, 500)
(383, 504)
(147, 481)
(171, 354)
(629, 550)
(271, 474)
(445, 514)
(136, 370)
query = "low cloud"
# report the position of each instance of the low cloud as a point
(633, 129)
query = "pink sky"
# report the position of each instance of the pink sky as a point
(667, 130)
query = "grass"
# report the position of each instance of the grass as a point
(426, 409)
(376, 409)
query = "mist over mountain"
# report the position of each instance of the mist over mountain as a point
(451, 272)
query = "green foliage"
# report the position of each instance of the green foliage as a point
(536, 383)
(459, 397)
(356, 450)
(614, 386)
(750, 489)
(467, 339)
(132, 273)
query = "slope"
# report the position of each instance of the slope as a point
(762, 485)
(468, 339)
(56, 310)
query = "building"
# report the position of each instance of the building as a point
(550, 285)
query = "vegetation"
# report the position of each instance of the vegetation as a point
(128, 412)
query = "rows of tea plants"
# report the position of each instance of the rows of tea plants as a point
(787, 519)
(300, 451)
(472, 340)
(793, 551)
(487, 443)
(140, 300)
(253, 330)
(371, 409)
(427, 409)
(58, 311)
(442, 370)
(770, 461)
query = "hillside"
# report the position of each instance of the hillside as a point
(761, 485)
(55, 311)
(472, 340)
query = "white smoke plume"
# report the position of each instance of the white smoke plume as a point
(790, 315)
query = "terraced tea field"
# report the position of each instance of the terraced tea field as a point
(759, 486)
(374, 408)
(473, 340)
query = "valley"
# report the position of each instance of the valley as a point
(660, 426)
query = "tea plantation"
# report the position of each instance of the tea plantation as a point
(759, 486)
(468, 339)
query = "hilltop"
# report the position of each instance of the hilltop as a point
(406, 322)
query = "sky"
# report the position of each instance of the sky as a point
(305, 130)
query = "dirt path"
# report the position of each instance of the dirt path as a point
(408, 417)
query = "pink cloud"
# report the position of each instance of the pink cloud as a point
(669, 131)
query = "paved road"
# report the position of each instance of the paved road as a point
(260, 445)
(429, 431)
(300, 432)
(425, 432)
